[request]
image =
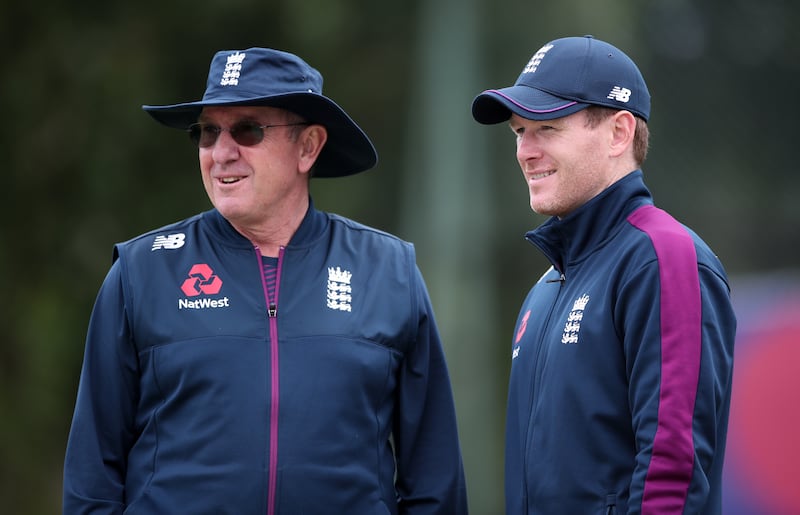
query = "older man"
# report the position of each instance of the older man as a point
(264, 357)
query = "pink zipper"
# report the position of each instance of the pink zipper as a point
(272, 313)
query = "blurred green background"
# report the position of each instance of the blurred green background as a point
(87, 168)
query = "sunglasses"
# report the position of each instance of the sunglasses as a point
(247, 134)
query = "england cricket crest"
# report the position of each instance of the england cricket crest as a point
(573, 325)
(340, 293)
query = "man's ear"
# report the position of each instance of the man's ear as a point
(311, 140)
(624, 128)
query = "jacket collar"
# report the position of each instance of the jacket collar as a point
(312, 226)
(571, 239)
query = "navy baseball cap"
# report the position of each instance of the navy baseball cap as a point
(565, 76)
(267, 77)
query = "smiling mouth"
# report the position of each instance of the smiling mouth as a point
(542, 175)
(229, 180)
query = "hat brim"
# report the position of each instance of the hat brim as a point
(496, 105)
(348, 150)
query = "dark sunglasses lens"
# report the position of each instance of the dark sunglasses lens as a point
(194, 134)
(203, 135)
(247, 134)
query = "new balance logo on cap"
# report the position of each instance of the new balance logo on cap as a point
(619, 94)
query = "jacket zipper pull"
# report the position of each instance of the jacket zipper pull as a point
(273, 310)
(559, 280)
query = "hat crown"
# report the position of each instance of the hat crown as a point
(236, 75)
(590, 71)
(273, 78)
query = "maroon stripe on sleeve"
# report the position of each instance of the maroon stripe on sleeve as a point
(670, 471)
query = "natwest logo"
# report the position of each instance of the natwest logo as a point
(201, 280)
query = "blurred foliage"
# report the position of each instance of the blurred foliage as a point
(88, 168)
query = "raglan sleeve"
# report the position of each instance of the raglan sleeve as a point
(430, 474)
(102, 429)
(678, 328)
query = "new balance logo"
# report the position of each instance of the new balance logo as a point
(170, 241)
(620, 94)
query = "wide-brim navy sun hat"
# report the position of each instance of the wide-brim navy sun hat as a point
(565, 76)
(267, 77)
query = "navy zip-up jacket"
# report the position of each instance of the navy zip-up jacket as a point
(199, 395)
(621, 366)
